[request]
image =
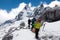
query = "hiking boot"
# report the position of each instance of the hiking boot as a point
(36, 37)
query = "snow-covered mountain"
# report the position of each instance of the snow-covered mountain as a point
(22, 15)
(11, 29)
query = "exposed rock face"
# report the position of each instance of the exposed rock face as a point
(10, 37)
(51, 15)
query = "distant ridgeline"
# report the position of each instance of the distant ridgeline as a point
(52, 14)
(48, 14)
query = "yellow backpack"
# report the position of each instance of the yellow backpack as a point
(37, 25)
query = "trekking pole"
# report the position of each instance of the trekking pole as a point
(43, 26)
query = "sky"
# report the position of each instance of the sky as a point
(9, 9)
(9, 4)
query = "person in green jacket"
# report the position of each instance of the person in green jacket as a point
(33, 22)
(37, 26)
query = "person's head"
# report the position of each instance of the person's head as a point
(33, 17)
(39, 19)
(28, 18)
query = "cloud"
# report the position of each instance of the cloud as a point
(16, 11)
(52, 4)
(4, 15)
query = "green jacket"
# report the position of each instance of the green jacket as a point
(33, 25)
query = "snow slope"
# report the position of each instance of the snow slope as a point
(23, 34)
(52, 28)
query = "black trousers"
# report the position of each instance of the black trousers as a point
(36, 33)
(29, 26)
